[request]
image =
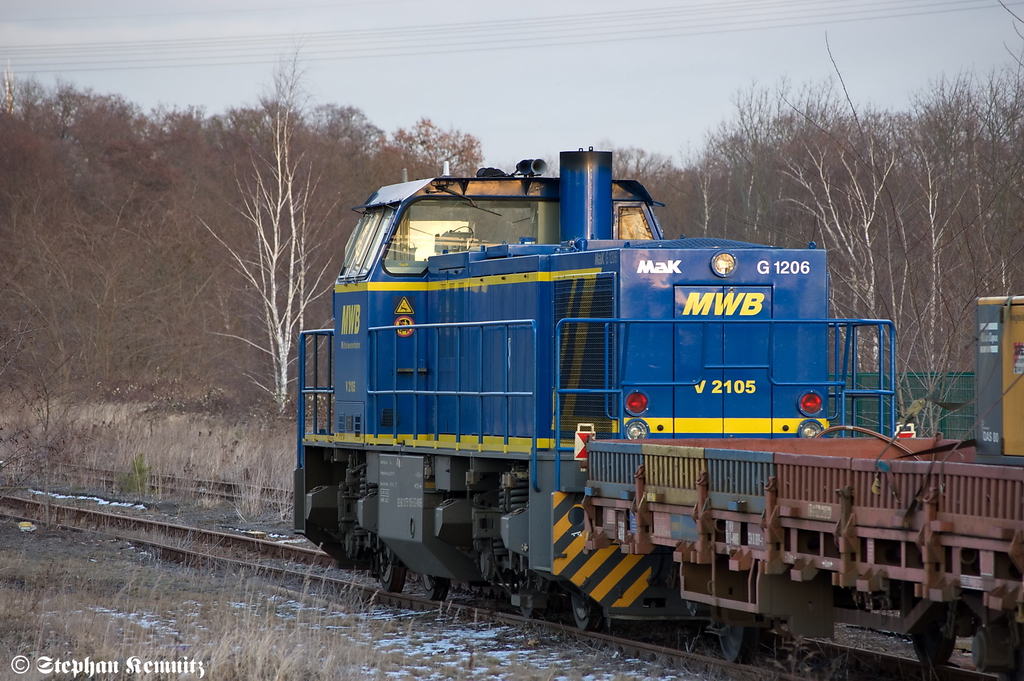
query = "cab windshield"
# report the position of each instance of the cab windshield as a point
(452, 225)
(365, 240)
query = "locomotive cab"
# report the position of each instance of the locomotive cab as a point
(435, 219)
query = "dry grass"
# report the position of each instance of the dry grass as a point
(257, 453)
(70, 597)
(77, 607)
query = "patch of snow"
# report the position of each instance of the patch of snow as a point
(83, 497)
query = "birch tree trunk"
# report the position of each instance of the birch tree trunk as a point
(277, 195)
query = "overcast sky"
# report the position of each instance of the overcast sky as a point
(529, 78)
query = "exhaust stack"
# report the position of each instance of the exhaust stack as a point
(585, 185)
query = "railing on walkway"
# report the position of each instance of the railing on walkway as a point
(847, 344)
(414, 371)
(316, 386)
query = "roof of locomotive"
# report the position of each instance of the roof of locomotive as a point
(702, 242)
(509, 187)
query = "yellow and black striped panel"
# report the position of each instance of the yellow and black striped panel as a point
(612, 578)
(585, 351)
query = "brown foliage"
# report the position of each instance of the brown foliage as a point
(425, 148)
(109, 278)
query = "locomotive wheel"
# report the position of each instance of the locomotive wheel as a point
(931, 646)
(585, 612)
(392, 577)
(739, 644)
(436, 587)
(392, 572)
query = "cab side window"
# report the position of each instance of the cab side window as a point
(632, 223)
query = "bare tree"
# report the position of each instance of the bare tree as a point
(38, 420)
(276, 262)
(662, 178)
(425, 148)
(846, 196)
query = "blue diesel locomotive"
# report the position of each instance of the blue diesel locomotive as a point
(487, 328)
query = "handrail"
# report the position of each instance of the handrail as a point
(844, 363)
(433, 390)
(304, 391)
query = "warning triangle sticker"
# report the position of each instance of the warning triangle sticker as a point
(403, 306)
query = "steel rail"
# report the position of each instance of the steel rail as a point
(82, 518)
(224, 489)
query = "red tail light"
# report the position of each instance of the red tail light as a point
(636, 403)
(810, 403)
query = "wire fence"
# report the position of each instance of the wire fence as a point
(949, 409)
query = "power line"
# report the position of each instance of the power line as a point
(247, 11)
(578, 26)
(498, 35)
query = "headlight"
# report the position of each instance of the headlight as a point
(809, 428)
(723, 264)
(637, 429)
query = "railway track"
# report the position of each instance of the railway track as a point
(174, 485)
(203, 548)
(103, 521)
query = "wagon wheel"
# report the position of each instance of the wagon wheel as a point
(933, 646)
(392, 572)
(436, 587)
(739, 644)
(586, 612)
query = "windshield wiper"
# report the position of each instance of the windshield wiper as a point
(446, 190)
